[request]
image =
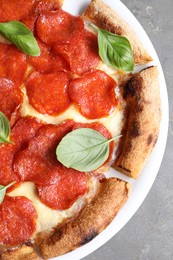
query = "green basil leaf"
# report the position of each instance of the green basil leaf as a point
(4, 129)
(83, 149)
(17, 33)
(3, 190)
(115, 50)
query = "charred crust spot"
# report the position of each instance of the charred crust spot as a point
(133, 87)
(124, 169)
(29, 243)
(129, 89)
(55, 237)
(135, 131)
(89, 237)
(150, 139)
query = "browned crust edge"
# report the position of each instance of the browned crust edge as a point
(142, 127)
(20, 253)
(90, 222)
(108, 19)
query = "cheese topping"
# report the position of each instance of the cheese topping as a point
(47, 217)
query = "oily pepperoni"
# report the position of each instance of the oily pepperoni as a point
(94, 94)
(60, 196)
(96, 126)
(40, 7)
(24, 130)
(17, 220)
(30, 21)
(48, 61)
(13, 64)
(38, 161)
(10, 97)
(14, 9)
(7, 174)
(48, 93)
(21, 133)
(81, 52)
(58, 26)
(46, 6)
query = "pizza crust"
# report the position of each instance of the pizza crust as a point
(20, 253)
(90, 222)
(108, 19)
(142, 127)
(94, 218)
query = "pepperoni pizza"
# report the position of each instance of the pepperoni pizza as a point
(69, 87)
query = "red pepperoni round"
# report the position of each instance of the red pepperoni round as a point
(14, 9)
(21, 133)
(10, 97)
(48, 93)
(48, 61)
(3, 50)
(46, 6)
(17, 220)
(58, 26)
(30, 21)
(24, 130)
(94, 94)
(7, 174)
(13, 64)
(40, 7)
(60, 196)
(96, 126)
(38, 161)
(81, 52)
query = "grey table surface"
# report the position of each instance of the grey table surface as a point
(149, 234)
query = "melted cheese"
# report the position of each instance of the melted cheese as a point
(112, 122)
(47, 217)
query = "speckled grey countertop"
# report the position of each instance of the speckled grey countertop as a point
(149, 234)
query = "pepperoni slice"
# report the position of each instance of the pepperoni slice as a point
(14, 9)
(38, 161)
(21, 133)
(10, 97)
(94, 93)
(81, 52)
(13, 64)
(58, 26)
(30, 21)
(24, 130)
(7, 174)
(48, 61)
(60, 196)
(48, 93)
(16, 214)
(46, 6)
(96, 126)
(40, 7)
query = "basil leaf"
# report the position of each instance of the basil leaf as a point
(3, 190)
(83, 149)
(115, 50)
(17, 33)
(4, 129)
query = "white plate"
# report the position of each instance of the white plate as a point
(140, 187)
